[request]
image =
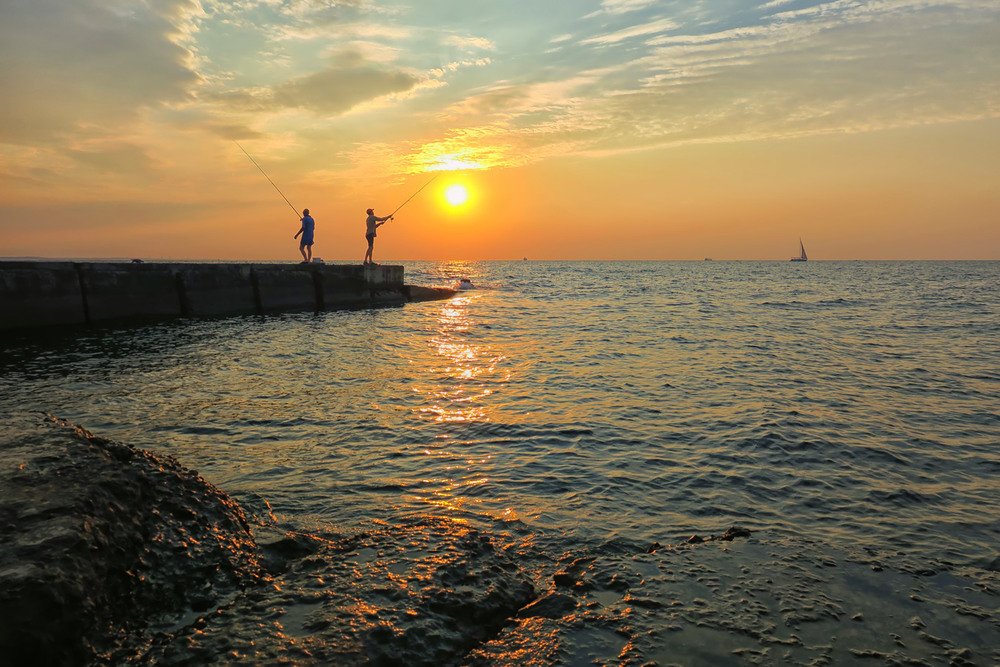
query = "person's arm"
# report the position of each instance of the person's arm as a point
(297, 233)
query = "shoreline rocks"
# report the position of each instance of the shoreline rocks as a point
(115, 555)
(102, 540)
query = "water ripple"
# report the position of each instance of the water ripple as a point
(847, 402)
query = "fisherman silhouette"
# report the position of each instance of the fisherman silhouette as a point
(371, 224)
(306, 245)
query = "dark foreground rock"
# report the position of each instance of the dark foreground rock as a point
(102, 540)
(114, 555)
(427, 594)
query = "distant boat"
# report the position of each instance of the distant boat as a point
(802, 254)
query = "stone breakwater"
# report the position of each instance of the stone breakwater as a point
(60, 293)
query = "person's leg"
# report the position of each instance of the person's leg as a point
(302, 249)
(309, 253)
(368, 253)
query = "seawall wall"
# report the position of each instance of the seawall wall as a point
(34, 294)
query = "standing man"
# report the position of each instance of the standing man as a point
(372, 223)
(306, 245)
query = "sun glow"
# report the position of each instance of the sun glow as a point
(456, 195)
(454, 163)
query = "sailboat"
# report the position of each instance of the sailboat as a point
(802, 256)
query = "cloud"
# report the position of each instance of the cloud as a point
(834, 67)
(340, 88)
(839, 67)
(348, 81)
(501, 99)
(470, 43)
(641, 30)
(337, 31)
(457, 65)
(776, 3)
(617, 7)
(120, 157)
(89, 64)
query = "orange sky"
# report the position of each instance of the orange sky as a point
(622, 129)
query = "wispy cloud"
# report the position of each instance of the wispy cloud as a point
(470, 43)
(88, 64)
(342, 86)
(776, 3)
(632, 73)
(618, 7)
(652, 28)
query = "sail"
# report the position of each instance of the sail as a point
(802, 253)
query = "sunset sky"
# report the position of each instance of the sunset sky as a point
(583, 129)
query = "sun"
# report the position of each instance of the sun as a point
(456, 195)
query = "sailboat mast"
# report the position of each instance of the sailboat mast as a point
(802, 253)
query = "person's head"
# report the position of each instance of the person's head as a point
(371, 211)
(305, 212)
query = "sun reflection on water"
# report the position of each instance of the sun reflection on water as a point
(461, 382)
(464, 373)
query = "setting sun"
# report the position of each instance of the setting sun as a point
(456, 195)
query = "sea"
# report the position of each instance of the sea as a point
(610, 422)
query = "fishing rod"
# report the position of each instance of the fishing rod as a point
(415, 194)
(267, 177)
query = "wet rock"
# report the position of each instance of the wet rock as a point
(420, 594)
(645, 603)
(564, 579)
(733, 532)
(279, 549)
(579, 564)
(553, 605)
(101, 539)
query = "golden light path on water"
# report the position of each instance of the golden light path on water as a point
(458, 397)
(583, 419)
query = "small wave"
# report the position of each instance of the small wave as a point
(903, 498)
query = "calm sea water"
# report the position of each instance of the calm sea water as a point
(584, 404)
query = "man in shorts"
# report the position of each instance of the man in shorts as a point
(306, 244)
(371, 224)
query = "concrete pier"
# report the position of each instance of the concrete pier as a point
(34, 294)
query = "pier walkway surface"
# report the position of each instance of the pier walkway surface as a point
(47, 293)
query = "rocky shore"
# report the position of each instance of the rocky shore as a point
(115, 555)
(102, 541)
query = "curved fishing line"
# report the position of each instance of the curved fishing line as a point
(414, 194)
(267, 177)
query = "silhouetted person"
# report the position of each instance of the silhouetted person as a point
(372, 223)
(306, 245)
